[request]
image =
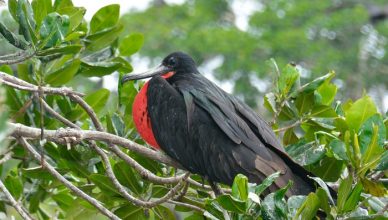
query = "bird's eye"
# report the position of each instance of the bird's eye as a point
(171, 62)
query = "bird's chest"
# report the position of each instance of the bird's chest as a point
(141, 117)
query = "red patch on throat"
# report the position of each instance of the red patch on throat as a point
(142, 119)
(140, 115)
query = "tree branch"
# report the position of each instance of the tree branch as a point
(67, 183)
(23, 85)
(19, 208)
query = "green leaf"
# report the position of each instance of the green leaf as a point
(129, 212)
(240, 187)
(14, 186)
(59, 4)
(313, 85)
(306, 153)
(26, 20)
(66, 49)
(103, 38)
(324, 187)
(12, 38)
(12, 7)
(104, 18)
(323, 111)
(54, 27)
(359, 112)
(98, 69)
(104, 184)
(309, 208)
(327, 91)
(290, 137)
(75, 14)
(339, 149)
(163, 213)
(294, 203)
(64, 200)
(266, 183)
(37, 173)
(365, 133)
(41, 8)
(344, 190)
(96, 100)
(328, 168)
(131, 44)
(304, 103)
(354, 198)
(370, 158)
(324, 201)
(374, 188)
(269, 102)
(383, 165)
(288, 77)
(63, 75)
(128, 177)
(232, 204)
(274, 205)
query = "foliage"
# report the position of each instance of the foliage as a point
(340, 142)
(318, 36)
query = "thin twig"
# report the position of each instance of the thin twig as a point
(67, 183)
(23, 85)
(190, 206)
(14, 203)
(6, 157)
(289, 126)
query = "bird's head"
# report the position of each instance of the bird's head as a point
(174, 63)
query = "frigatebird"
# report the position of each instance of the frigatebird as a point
(208, 131)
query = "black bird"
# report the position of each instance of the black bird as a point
(208, 131)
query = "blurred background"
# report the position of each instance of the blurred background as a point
(233, 41)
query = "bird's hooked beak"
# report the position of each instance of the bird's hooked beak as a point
(159, 70)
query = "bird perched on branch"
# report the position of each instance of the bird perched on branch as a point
(208, 131)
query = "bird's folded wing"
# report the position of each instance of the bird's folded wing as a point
(230, 122)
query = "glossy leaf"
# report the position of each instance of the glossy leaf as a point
(313, 85)
(41, 8)
(14, 186)
(266, 183)
(96, 100)
(359, 112)
(68, 49)
(104, 184)
(365, 133)
(306, 153)
(327, 91)
(274, 206)
(75, 14)
(287, 79)
(55, 28)
(104, 18)
(240, 187)
(131, 44)
(339, 149)
(309, 207)
(99, 69)
(232, 204)
(103, 38)
(12, 38)
(128, 177)
(63, 75)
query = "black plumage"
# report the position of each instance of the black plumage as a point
(214, 134)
